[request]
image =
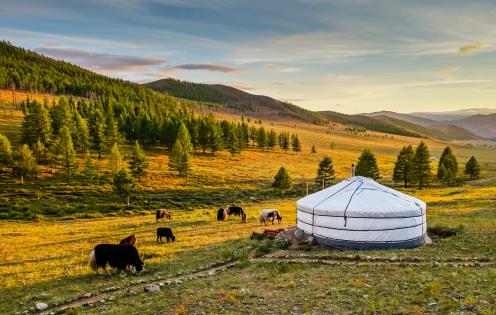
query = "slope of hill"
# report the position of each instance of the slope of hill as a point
(369, 123)
(234, 98)
(456, 132)
(29, 71)
(454, 115)
(405, 117)
(482, 125)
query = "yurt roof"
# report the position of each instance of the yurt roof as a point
(361, 197)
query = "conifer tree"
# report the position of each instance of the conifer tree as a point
(282, 180)
(24, 163)
(36, 125)
(184, 138)
(123, 184)
(233, 142)
(284, 140)
(325, 172)
(421, 166)
(448, 165)
(271, 139)
(253, 135)
(138, 163)
(65, 148)
(5, 152)
(262, 138)
(41, 153)
(61, 116)
(295, 143)
(179, 160)
(214, 138)
(403, 166)
(115, 158)
(89, 167)
(81, 134)
(112, 130)
(203, 134)
(472, 168)
(367, 165)
(314, 150)
(97, 132)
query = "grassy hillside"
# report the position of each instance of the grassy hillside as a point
(234, 98)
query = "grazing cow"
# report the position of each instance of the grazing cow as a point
(236, 210)
(163, 214)
(221, 214)
(267, 215)
(165, 232)
(131, 240)
(117, 256)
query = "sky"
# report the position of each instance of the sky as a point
(349, 56)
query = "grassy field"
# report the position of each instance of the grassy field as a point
(44, 260)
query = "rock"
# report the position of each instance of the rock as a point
(168, 282)
(433, 305)
(211, 273)
(87, 295)
(41, 306)
(299, 234)
(309, 240)
(282, 237)
(244, 291)
(152, 288)
(161, 284)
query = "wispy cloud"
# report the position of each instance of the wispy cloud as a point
(100, 61)
(277, 68)
(206, 67)
(448, 71)
(471, 48)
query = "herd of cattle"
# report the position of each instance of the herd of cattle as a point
(125, 257)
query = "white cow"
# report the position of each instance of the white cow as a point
(267, 215)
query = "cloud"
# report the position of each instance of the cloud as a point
(100, 61)
(277, 68)
(446, 72)
(471, 48)
(206, 67)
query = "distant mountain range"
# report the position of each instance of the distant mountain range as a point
(461, 125)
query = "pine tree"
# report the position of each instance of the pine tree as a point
(115, 158)
(184, 138)
(253, 135)
(89, 167)
(403, 166)
(282, 180)
(233, 142)
(179, 160)
(214, 138)
(325, 172)
(448, 166)
(65, 148)
(314, 150)
(272, 139)
(61, 116)
(138, 163)
(5, 152)
(421, 166)
(41, 153)
(97, 132)
(203, 134)
(81, 136)
(295, 143)
(123, 184)
(261, 138)
(367, 165)
(284, 141)
(472, 168)
(112, 130)
(36, 125)
(24, 163)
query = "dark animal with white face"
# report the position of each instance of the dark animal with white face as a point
(165, 232)
(221, 214)
(117, 256)
(162, 214)
(236, 210)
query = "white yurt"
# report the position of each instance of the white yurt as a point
(360, 213)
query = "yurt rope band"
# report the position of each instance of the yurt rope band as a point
(313, 209)
(352, 217)
(349, 201)
(353, 230)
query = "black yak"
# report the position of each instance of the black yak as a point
(165, 232)
(117, 256)
(221, 214)
(236, 210)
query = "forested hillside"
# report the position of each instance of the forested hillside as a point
(234, 98)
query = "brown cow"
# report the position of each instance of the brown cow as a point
(163, 214)
(131, 240)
